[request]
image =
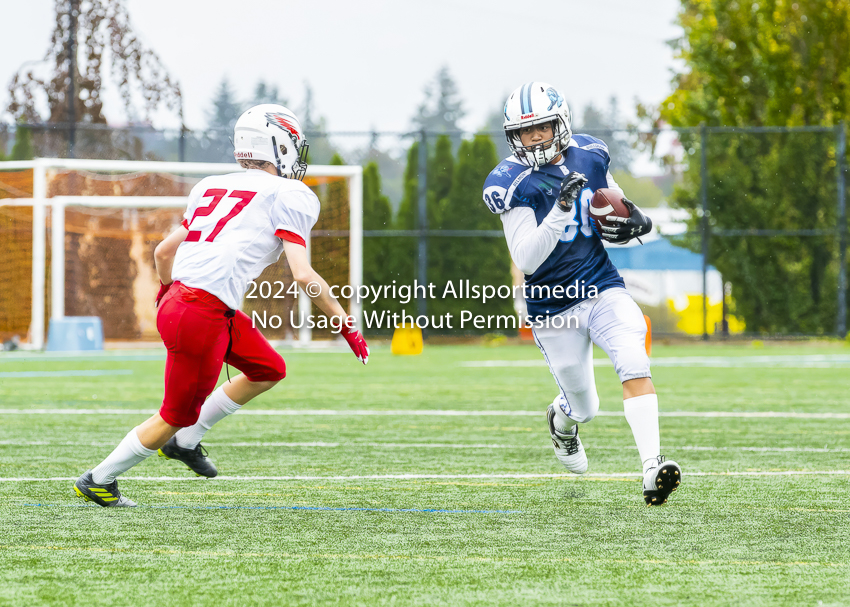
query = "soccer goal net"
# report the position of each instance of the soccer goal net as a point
(77, 239)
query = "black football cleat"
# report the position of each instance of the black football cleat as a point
(660, 481)
(196, 459)
(107, 496)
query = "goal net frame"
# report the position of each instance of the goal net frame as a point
(40, 203)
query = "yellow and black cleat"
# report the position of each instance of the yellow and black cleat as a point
(107, 496)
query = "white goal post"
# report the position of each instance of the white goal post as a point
(40, 202)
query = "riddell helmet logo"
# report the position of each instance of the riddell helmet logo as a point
(240, 155)
(524, 116)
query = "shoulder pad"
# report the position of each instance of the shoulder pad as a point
(501, 183)
(587, 142)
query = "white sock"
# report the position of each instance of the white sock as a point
(129, 452)
(217, 407)
(642, 415)
(562, 423)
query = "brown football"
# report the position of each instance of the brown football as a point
(606, 202)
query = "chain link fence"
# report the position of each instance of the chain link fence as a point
(752, 221)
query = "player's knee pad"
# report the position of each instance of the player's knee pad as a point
(620, 329)
(182, 415)
(582, 406)
(272, 370)
(630, 358)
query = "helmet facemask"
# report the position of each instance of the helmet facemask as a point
(299, 165)
(543, 152)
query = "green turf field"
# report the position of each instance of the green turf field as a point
(361, 490)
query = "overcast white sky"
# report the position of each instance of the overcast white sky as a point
(368, 61)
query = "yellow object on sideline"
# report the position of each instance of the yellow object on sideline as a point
(407, 340)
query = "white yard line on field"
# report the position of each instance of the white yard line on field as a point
(474, 446)
(66, 373)
(806, 361)
(404, 477)
(426, 413)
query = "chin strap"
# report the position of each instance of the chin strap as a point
(276, 157)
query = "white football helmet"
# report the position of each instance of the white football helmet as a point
(272, 133)
(536, 103)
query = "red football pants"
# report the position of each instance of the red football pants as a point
(194, 328)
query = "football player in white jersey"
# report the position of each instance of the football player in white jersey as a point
(234, 227)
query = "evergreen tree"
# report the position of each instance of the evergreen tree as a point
(440, 172)
(481, 260)
(330, 254)
(377, 213)
(403, 267)
(607, 127)
(495, 127)
(377, 250)
(440, 167)
(442, 109)
(221, 118)
(407, 217)
(389, 167)
(23, 147)
(321, 150)
(267, 93)
(225, 108)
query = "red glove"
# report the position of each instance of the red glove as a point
(355, 341)
(163, 289)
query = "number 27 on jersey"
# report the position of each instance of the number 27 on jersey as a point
(242, 199)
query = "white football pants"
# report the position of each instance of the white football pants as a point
(615, 323)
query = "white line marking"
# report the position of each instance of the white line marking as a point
(67, 373)
(352, 445)
(429, 413)
(403, 477)
(725, 362)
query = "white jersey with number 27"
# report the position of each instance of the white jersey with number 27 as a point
(233, 221)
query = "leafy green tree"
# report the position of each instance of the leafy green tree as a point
(109, 55)
(108, 49)
(770, 63)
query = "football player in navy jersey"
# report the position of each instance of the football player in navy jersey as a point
(542, 194)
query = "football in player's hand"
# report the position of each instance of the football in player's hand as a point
(606, 202)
